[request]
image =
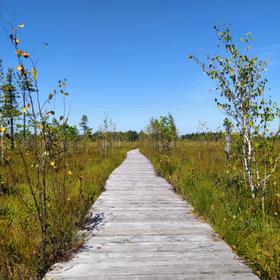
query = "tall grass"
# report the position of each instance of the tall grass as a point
(87, 171)
(198, 172)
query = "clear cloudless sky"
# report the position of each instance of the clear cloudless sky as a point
(128, 58)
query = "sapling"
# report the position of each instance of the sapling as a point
(241, 90)
(106, 131)
(49, 146)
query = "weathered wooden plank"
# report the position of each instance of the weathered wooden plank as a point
(216, 276)
(86, 269)
(141, 229)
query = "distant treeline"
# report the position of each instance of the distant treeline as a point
(133, 136)
(213, 136)
(203, 136)
(130, 135)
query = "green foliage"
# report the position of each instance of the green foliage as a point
(202, 136)
(71, 133)
(240, 84)
(9, 106)
(162, 133)
(242, 96)
(132, 136)
(87, 131)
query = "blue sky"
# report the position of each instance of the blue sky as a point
(128, 58)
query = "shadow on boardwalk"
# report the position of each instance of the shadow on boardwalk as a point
(143, 230)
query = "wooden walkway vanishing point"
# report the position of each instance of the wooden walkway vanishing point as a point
(141, 229)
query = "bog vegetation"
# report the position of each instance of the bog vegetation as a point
(46, 182)
(232, 177)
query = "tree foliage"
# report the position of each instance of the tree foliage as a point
(163, 133)
(242, 95)
(9, 105)
(87, 131)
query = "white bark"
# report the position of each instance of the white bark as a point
(247, 160)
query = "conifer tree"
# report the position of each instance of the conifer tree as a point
(9, 108)
(84, 125)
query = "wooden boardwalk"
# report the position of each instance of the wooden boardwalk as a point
(141, 229)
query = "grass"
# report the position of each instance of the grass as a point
(20, 237)
(200, 174)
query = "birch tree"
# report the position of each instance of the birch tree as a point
(241, 94)
(46, 151)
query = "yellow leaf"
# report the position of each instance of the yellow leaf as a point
(70, 173)
(3, 129)
(17, 41)
(19, 67)
(34, 73)
(52, 163)
(19, 53)
(25, 109)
